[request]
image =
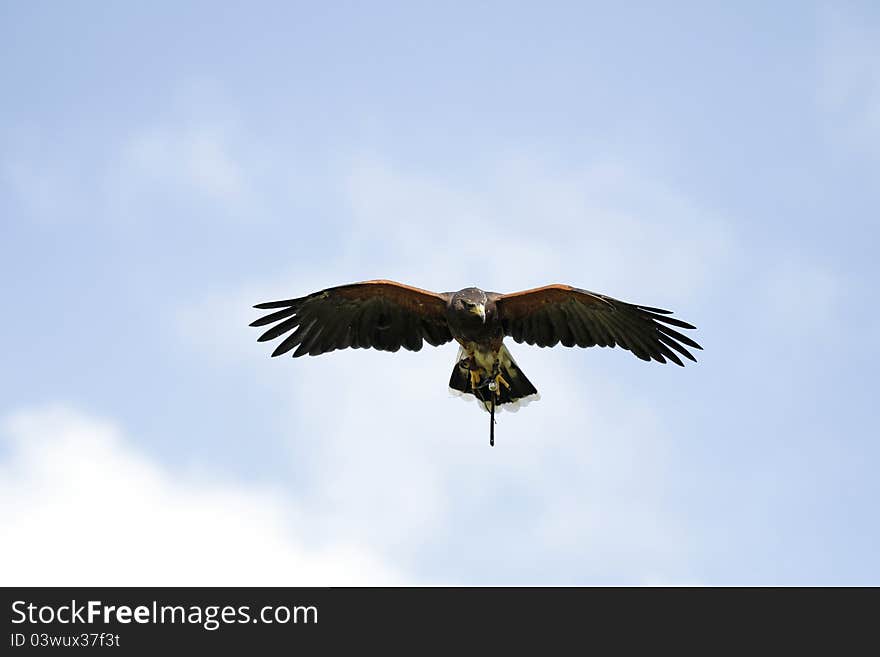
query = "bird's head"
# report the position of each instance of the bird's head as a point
(471, 300)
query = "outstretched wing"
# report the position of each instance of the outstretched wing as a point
(548, 315)
(383, 315)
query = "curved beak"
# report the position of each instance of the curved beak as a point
(480, 309)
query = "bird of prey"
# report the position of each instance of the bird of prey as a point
(385, 315)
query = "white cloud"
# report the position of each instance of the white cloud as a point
(79, 505)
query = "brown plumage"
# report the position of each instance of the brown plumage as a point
(385, 315)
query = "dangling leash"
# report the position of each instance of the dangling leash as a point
(492, 417)
(493, 388)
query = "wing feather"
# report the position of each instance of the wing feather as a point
(563, 314)
(559, 326)
(380, 314)
(309, 342)
(275, 317)
(280, 328)
(665, 339)
(295, 338)
(586, 337)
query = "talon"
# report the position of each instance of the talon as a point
(475, 379)
(500, 379)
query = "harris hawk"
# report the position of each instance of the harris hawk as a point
(385, 315)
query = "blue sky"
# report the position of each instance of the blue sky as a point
(163, 168)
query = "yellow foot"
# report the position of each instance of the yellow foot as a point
(475, 379)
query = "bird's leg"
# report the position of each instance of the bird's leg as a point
(475, 379)
(473, 376)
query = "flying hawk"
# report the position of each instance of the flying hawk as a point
(386, 316)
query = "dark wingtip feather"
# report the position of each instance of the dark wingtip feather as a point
(674, 321)
(670, 342)
(655, 310)
(680, 337)
(695, 345)
(280, 350)
(671, 355)
(268, 305)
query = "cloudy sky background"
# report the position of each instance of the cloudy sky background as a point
(164, 167)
